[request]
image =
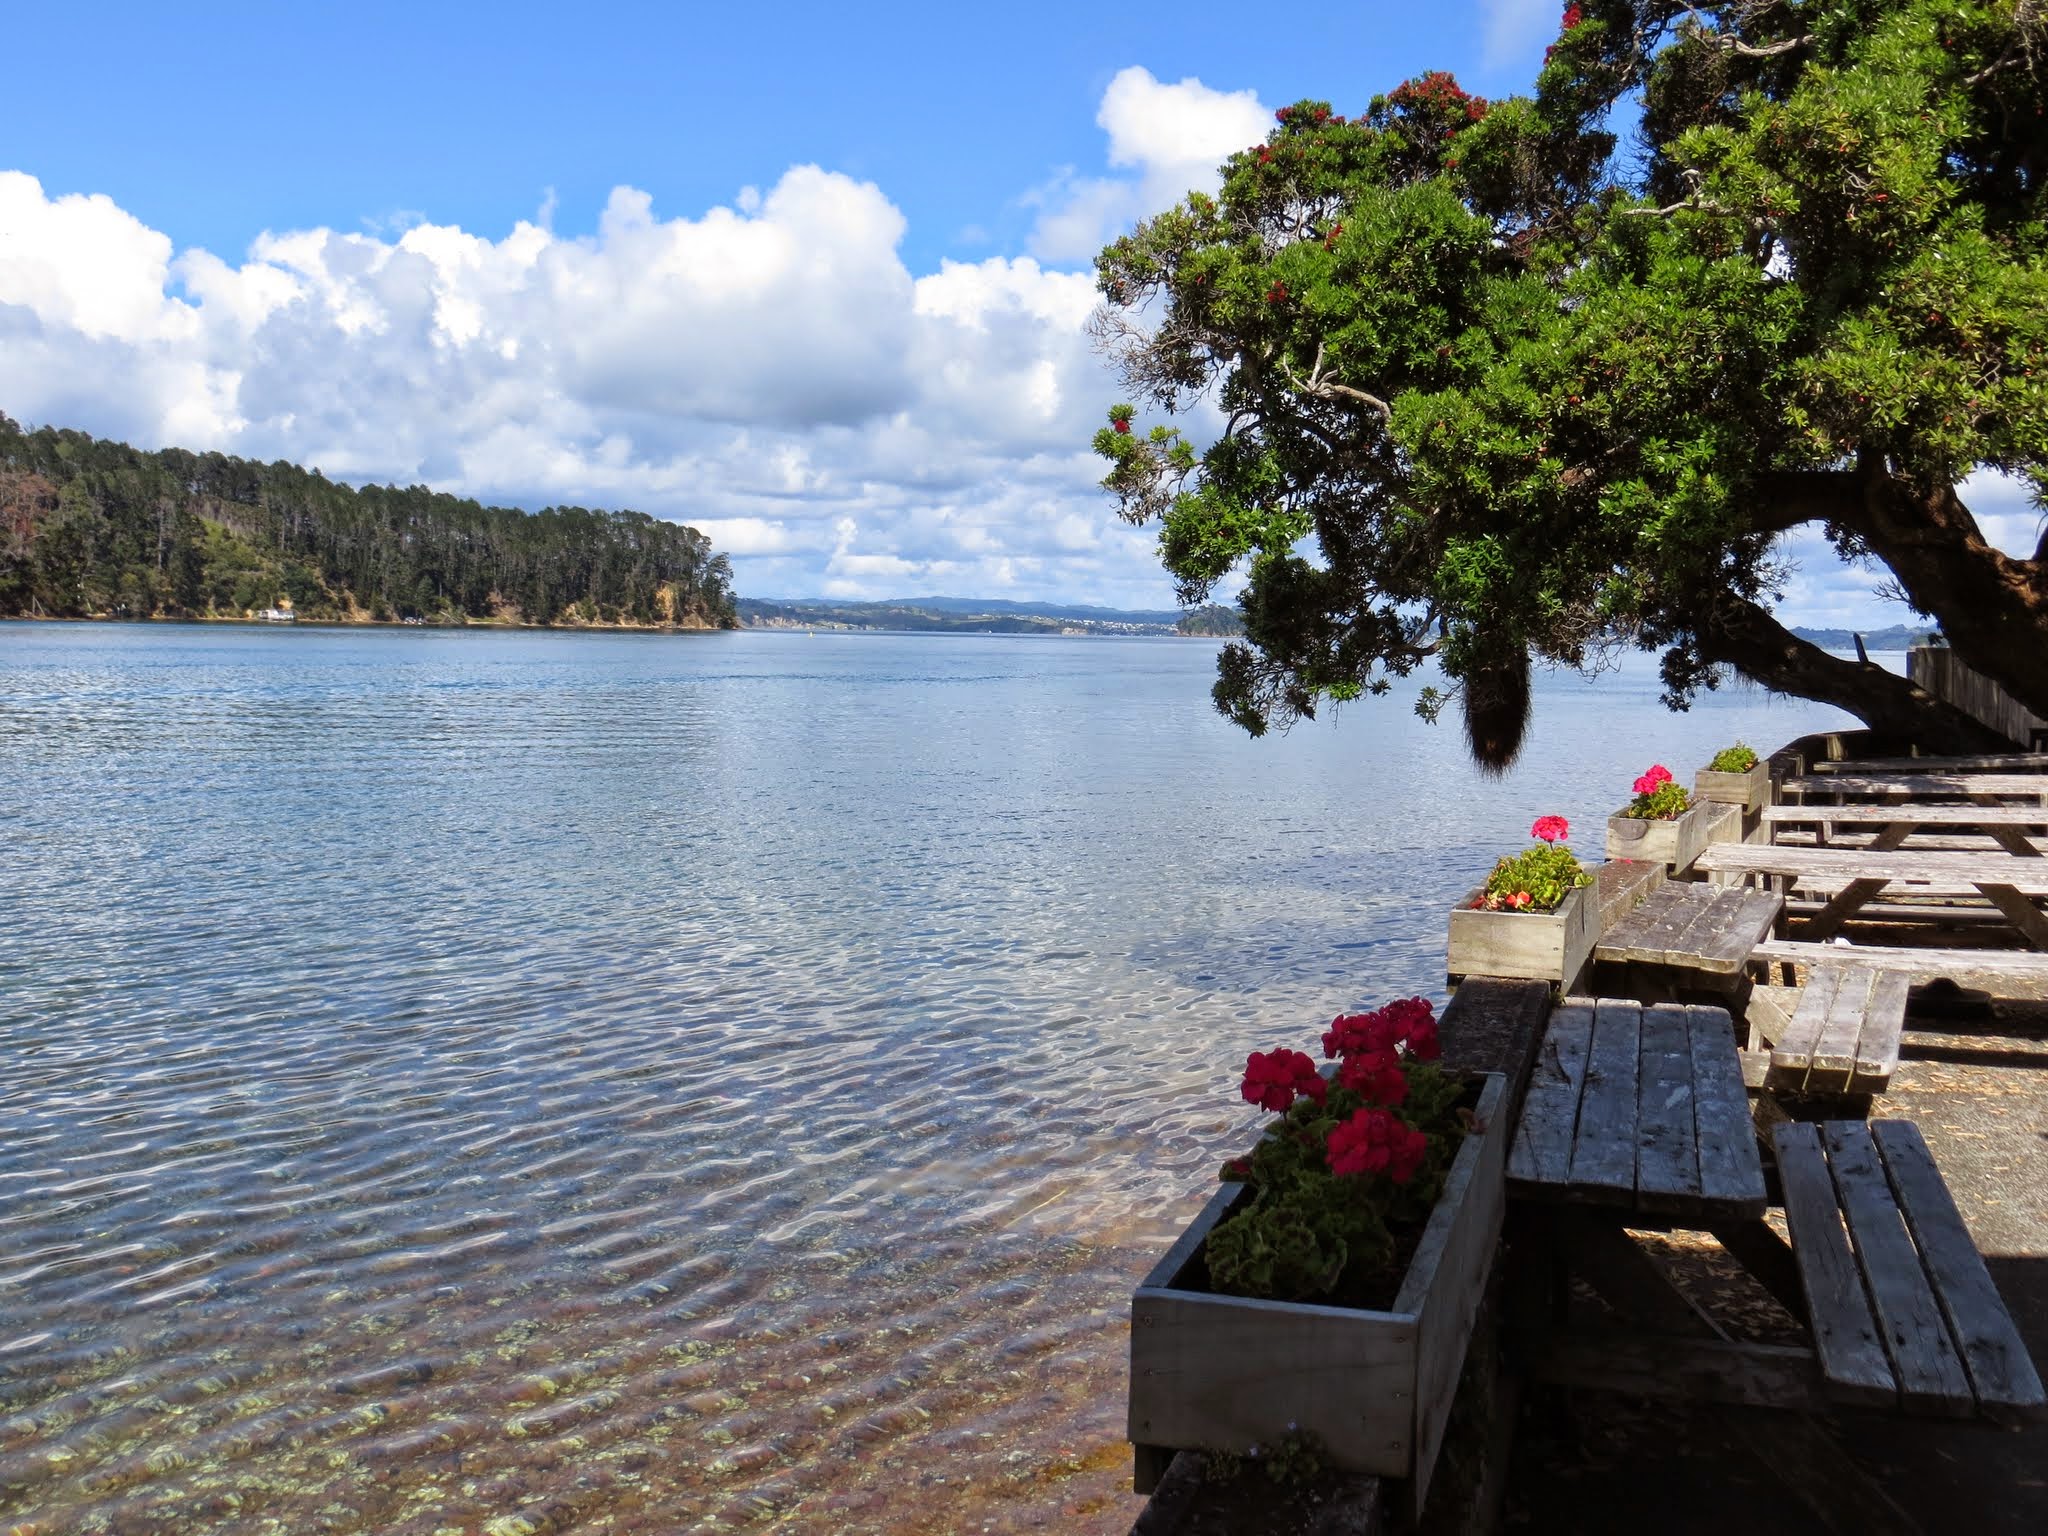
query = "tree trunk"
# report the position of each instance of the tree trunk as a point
(1750, 640)
(1993, 609)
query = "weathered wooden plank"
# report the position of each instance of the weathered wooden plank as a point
(1640, 937)
(1447, 1279)
(1852, 898)
(1877, 1049)
(1792, 1057)
(1220, 1371)
(2012, 973)
(1537, 946)
(1542, 1155)
(1494, 1025)
(1929, 1372)
(1923, 786)
(1731, 1171)
(1620, 884)
(1667, 1141)
(2000, 1371)
(1748, 919)
(1931, 872)
(1834, 1053)
(2020, 911)
(2021, 816)
(1979, 762)
(1691, 1370)
(1709, 918)
(1604, 1148)
(2016, 842)
(1844, 1328)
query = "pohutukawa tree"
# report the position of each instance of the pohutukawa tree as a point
(1537, 394)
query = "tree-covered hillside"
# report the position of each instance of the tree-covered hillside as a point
(96, 528)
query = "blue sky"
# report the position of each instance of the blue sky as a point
(812, 277)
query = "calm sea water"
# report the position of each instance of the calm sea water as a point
(514, 1083)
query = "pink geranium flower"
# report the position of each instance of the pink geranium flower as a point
(1551, 829)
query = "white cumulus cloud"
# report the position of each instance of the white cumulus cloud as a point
(1168, 139)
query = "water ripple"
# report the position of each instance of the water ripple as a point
(522, 1083)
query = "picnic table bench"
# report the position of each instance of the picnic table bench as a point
(1694, 928)
(1844, 1033)
(1850, 878)
(2014, 973)
(1980, 762)
(1903, 1312)
(1636, 1117)
(1921, 786)
(1891, 824)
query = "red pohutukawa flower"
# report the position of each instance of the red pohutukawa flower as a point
(1551, 829)
(1275, 1079)
(1374, 1141)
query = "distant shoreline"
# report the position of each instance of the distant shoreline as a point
(348, 623)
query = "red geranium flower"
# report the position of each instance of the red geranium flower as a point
(1351, 1034)
(1374, 1141)
(1376, 1076)
(1551, 829)
(1274, 1079)
(1276, 294)
(1423, 1043)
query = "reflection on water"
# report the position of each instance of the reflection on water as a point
(466, 1083)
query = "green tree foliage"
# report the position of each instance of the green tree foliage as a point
(1495, 386)
(94, 528)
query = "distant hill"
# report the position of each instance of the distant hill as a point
(955, 615)
(1896, 637)
(1211, 619)
(91, 528)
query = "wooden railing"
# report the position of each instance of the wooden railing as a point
(1935, 668)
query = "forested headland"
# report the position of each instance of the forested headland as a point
(96, 529)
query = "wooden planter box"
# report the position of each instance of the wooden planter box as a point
(1675, 843)
(1751, 790)
(1531, 946)
(1225, 1373)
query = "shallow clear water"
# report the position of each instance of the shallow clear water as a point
(506, 1083)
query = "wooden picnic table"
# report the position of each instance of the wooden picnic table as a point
(1641, 1109)
(1690, 926)
(1892, 824)
(1922, 786)
(2014, 973)
(1636, 1117)
(1983, 762)
(1850, 878)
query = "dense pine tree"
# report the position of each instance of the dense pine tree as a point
(96, 528)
